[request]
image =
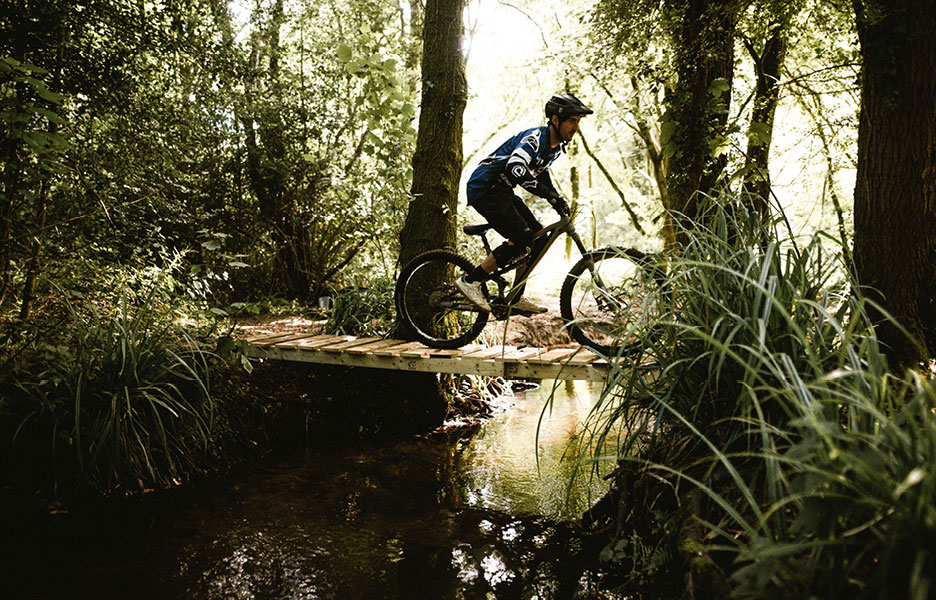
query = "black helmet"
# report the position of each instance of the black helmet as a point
(566, 105)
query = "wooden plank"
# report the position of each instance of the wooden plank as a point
(552, 371)
(399, 363)
(415, 352)
(489, 352)
(282, 337)
(550, 356)
(620, 361)
(295, 341)
(340, 347)
(584, 357)
(396, 350)
(322, 342)
(494, 361)
(259, 339)
(490, 367)
(454, 353)
(366, 348)
(520, 355)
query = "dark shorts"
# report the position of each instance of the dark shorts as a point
(508, 214)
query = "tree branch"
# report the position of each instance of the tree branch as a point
(634, 219)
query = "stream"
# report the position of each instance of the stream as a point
(488, 515)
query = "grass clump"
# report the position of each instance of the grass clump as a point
(114, 399)
(364, 311)
(770, 431)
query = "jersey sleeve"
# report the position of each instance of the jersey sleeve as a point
(517, 169)
(545, 185)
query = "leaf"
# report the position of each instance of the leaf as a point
(49, 115)
(759, 133)
(913, 477)
(719, 86)
(344, 52)
(211, 244)
(238, 264)
(42, 90)
(218, 311)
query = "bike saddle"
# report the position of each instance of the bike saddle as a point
(478, 229)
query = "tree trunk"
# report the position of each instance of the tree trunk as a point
(760, 132)
(430, 221)
(895, 188)
(32, 265)
(698, 106)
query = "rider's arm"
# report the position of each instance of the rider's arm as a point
(545, 184)
(517, 170)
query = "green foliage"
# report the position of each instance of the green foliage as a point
(183, 134)
(123, 399)
(770, 394)
(31, 152)
(27, 109)
(365, 311)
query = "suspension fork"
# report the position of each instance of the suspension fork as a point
(586, 255)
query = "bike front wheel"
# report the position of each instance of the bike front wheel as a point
(607, 295)
(431, 306)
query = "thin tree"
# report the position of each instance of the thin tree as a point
(768, 63)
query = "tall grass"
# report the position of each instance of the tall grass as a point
(367, 311)
(768, 393)
(121, 399)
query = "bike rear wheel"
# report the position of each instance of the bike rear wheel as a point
(430, 305)
(607, 295)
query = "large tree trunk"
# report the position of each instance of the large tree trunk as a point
(895, 190)
(698, 105)
(430, 222)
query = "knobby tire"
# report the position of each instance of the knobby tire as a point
(430, 305)
(605, 314)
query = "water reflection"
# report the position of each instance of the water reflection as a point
(523, 459)
(433, 518)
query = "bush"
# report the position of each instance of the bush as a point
(122, 400)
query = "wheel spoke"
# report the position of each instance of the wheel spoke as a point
(428, 302)
(607, 298)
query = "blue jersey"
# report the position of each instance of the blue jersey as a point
(522, 160)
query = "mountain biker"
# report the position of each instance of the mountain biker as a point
(522, 160)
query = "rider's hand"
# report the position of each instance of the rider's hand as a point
(560, 204)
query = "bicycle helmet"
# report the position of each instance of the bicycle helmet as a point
(565, 106)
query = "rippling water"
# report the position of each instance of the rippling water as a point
(488, 516)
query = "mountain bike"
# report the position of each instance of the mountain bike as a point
(604, 297)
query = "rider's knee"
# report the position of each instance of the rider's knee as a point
(508, 251)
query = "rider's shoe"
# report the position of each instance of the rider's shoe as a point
(527, 306)
(473, 292)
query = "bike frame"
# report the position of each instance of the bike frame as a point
(551, 232)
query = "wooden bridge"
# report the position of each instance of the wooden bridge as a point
(495, 361)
